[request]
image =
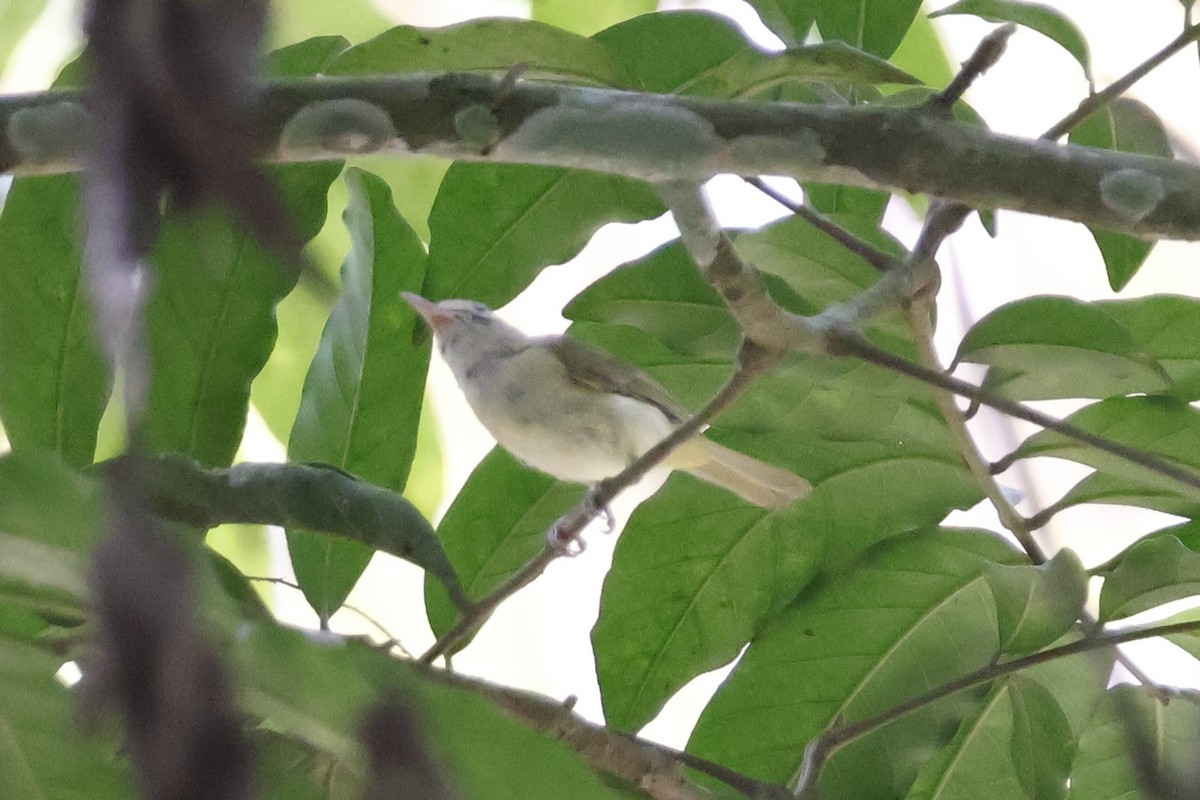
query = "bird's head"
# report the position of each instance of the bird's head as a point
(467, 329)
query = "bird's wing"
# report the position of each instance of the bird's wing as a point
(601, 372)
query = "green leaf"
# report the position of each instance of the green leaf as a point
(1045, 20)
(1167, 327)
(1186, 532)
(1077, 682)
(289, 770)
(497, 523)
(1052, 347)
(787, 19)
(42, 753)
(1127, 126)
(923, 54)
(485, 753)
(50, 519)
(1159, 425)
(751, 72)
(833, 198)
(1189, 641)
(275, 392)
(908, 616)
(21, 624)
(1151, 423)
(362, 397)
(668, 51)
(1018, 746)
(309, 57)
(703, 54)
(870, 501)
(16, 18)
(819, 269)
(1037, 605)
(210, 320)
(495, 45)
(662, 295)
(296, 20)
(317, 498)
(494, 227)
(1152, 572)
(1043, 743)
(1100, 487)
(55, 380)
(695, 574)
(587, 18)
(1166, 733)
(877, 26)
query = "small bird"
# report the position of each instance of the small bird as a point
(579, 414)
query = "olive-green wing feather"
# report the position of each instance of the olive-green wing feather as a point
(595, 369)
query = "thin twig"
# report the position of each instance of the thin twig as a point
(1021, 528)
(852, 343)
(920, 324)
(388, 638)
(1093, 102)
(843, 735)
(754, 362)
(987, 53)
(858, 246)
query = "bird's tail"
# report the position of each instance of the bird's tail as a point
(753, 480)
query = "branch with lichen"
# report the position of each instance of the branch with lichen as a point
(661, 138)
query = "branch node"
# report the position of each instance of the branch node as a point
(986, 54)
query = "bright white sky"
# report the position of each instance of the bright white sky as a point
(539, 639)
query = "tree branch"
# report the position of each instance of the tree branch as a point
(922, 330)
(664, 137)
(1094, 102)
(859, 247)
(653, 768)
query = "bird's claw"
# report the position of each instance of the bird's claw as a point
(564, 535)
(610, 521)
(570, 545)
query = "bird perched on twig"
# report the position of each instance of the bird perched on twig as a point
(579, 414)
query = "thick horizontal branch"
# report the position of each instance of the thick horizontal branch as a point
(665, 137)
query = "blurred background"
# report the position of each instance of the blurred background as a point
(539, 639)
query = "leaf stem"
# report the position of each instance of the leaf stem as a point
(859, 247)
(921, 326)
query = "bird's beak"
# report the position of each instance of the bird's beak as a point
(430, 311)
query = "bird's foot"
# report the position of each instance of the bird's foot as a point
(595, 508)
(569, 544)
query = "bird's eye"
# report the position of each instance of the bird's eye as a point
(481, 314)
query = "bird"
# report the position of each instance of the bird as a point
(577, 413)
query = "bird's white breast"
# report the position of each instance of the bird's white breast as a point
(570, 432)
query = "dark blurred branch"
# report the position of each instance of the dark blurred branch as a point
(152, 663)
